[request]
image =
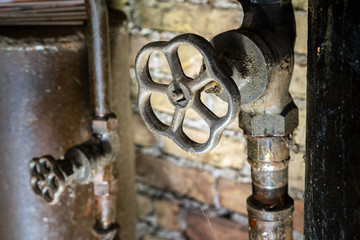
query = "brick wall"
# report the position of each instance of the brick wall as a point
(186, 196)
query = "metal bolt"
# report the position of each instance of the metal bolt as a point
(177, 95)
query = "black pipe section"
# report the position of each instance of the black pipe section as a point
(332, 198)
(99, 55)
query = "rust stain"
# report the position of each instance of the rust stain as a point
(252, 222)
(107, 173)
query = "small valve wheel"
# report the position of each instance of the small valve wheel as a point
(47, 180)
(184, 92)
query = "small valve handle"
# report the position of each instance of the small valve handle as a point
(47, 178)
(184, 92)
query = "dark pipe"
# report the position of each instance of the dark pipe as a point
(332, 180)
(99, 52)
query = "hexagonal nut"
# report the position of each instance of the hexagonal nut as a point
(269, 125)
(104, 188)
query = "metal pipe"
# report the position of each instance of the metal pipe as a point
(270, 207)
(99, 55)
(105, 188)
(332, 166)
(105, 183)
(270, 119)
(100, 81)
(106, 226)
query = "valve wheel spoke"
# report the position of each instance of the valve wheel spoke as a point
(153, 87)
(199, 82)
(178, 119)
(204, 112)
(149, 85)
(173, 59)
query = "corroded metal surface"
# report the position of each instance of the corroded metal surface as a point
(248, 52)
(270, 208)
(270, 224)
(269, 159)
(184, 92)
(93, 160)
(45, 109)
(89, 162)
(268, 114)
(270, 117)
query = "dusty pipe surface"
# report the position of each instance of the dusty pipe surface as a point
(45, 109)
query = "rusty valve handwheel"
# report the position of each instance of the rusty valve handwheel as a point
(184, 92)
(47, 179)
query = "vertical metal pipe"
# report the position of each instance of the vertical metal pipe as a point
(270, 207)
(332, 163)
(105, 188)
(269, 120)
(99, 55)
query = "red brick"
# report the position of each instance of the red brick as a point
(201, 227)
(144, 206)
(167, 215)
(233, 195)
(229, 153)
(299, 216)
(182, 181)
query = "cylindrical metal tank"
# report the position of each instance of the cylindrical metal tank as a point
(45, 109)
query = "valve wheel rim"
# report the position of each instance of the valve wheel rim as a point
(47, 181)
(190, 89)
